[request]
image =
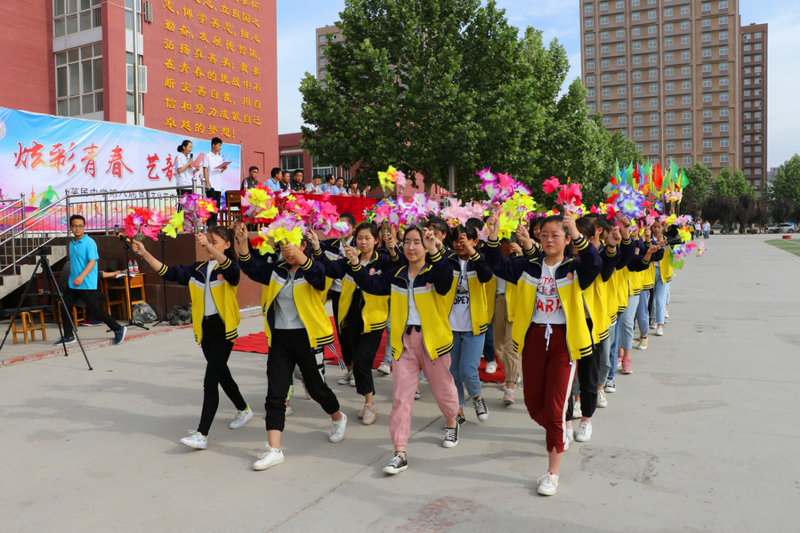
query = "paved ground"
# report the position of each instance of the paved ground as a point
(703, 436)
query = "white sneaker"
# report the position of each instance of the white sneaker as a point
(570, 438)
(289, 410)
(353, 381)
(241, 418)
(385, 368)
(547, 484)
(337, 433)
(195, 440)
(269, 459)
(659, 330)
(346, 378)
(666, 313)
(491, 367)
(602, 401)
(576, 410)
(584, 432)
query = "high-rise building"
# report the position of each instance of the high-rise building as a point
(204, 71)
(665, 73)
(754, 104)
(325, 35)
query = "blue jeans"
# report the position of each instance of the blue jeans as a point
(643, 314)
(464, 360)
(387, 358)
(660, 298)
(488, 344)
(627, 318)
(614, 333)
(605, 355)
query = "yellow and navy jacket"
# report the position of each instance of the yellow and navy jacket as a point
(665, 270)
(431, 288)
(308, 287)
(478, 277)
(374, 310)
(223, 285)
(573, 276)
(596, 295)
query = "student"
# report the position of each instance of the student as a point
(468, 318)
(184, 173)
(334, 249)
(215, 319)
(362, 316)
(663, 276)
(391, 249)
(420, 301)
(297, 329)
(251, 181)
(274, 181)
(502, 324)
(549, 329)
(442, 233)
(643, 310)
(212, 176)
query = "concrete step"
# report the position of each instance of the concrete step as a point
(11, 282)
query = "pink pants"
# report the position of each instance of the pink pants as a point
(405, 379)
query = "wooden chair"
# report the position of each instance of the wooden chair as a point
(28, 326)
(136, 283)
(233, 206)
(116, 296)
(76, 310)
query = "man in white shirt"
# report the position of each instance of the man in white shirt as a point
(315, 187)
(213, 175)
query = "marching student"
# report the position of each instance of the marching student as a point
(297, 329)
(215, 319)
(362, 315)
(663, 276)
(421, 338)
(648, 282)
(549, 328)
(469, 318)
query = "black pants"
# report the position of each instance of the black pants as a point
(344, 344)
(290, 347)
(181, 192)
(217, 350)
(94, 307)
(213, 195)
(588, 380)
(364, 348)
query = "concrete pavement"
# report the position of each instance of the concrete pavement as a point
(703, 436)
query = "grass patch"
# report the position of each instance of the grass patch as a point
(790, 245)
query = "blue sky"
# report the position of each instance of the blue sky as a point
(297, 20)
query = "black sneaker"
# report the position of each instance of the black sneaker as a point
(398, 463)
(460, 418)
(451, 437)
(480, 409)
(119, 336)
(65, 340)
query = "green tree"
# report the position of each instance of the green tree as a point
(699, 183)
(622, 150)
(425, 85)
(729, 184)
(786, 185)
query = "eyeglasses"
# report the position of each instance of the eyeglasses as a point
(74, 226)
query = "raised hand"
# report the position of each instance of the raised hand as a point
(466, 245)
(569, 222)
(492, 225)
(614, 237)
(523, 237)
(351, 254)
(313, 238)
(430, 242)
(515, 248)
(202, 239)
(138, 248)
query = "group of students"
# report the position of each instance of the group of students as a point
(561, 296)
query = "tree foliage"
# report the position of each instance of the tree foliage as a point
(784, 191)
(729, 184)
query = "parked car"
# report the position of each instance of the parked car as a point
(783, 227)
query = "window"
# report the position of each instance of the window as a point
(654, 117)
(323, 38)
(723, 4)
(589, 22)
(603, 6)
(723, 21)
(723, 82)
(686, 39)
(590, 78)
(606, 121)
(687, 115)
(635, 15)
(685, 10)
(757, 35)
(590, 64)
(724, 143)
(637, 60)
(687, 130)
(723, 66)
(652, 14)
(590, 92)
(670, 130)
(670, 145)
(605, 63)
(687, 160)
(706, 23)
(669, 71)
(706, 6)
(653, 73)
(724, 158)
(592, 107)
(707, 99)
(587, 9)
(671, 116)
(620, 33)
(621, 89)
(653, 132)
(604, 49)
(684, 24)
(637, 132)
(620, 61)
(723, 50)
(654, 147)
(707, 113)
(756, 160)
(687, 145)
(603, 21)
(686, 70)
(590, 36)
(590, 50)
(605, 77)
(706, 143)
(706, 128)
(69, 17)
(669, 56)
(620, 4)
(707, 159)
(670, 86)
(637, 45)
(706, 52)
(620, 76)
(652, 43)
(685, 54)
(620, 47)
(668, 12)
(620, 18)
(706, 38)
(636, 31)
(757, 46)
(670, 100)
(637, 118)
(637, 89)
(639, 146)
(622, 119)
(686, 84)
(622, 104)
(634, 2)
(606, 91)
(686, 100)
(747, 149)
(653, 58)
(79, 81)
(706, 68)
(668, 27)
(637, 74)
(654, 102)
(604, 35)
(723, 36)
(723, 127)
(669, 41)
(653, 87)
(723, 97)
(606, 106)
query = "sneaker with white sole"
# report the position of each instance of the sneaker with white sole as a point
(627, 367)
(547, 484)
(451, 437)
(195, 440)
(576, 410)
(398, 464)
(241, 418)
(659, 330)
(370, 415)
(269, 459)
(64, 340)
(610, 387)
(385, 368)
(602, 401)
(417, 395)
(642, 343)
(508, 396)
(584, 432)
(570, 438)
(666, 313)
(491, 367)
(346, 378)
(119, 336)
(289, 410)
(337, 429)
(480, 409)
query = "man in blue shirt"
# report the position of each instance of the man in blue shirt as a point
(329, 180)
(339, 189)
(83, 283)
(274, 181)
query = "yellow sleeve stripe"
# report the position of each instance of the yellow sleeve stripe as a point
(163, 270)
(475, 257)
(438, 255)
(306, 265)
(627, 241)
(247, 257)
(226, 264)
(318, 252)
(354, 268)
(493, 243)
(581, 243)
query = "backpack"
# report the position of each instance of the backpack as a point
(180, 315)
(142, 313)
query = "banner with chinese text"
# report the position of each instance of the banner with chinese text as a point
(44, 157)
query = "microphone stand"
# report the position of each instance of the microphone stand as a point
(125, 241)
(162, 238)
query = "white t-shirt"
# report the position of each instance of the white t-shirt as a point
(183, 179)
(413, 315)
(336, 285)
(548, 304)
(211, 161)
(460, 317)
(501, 286)
(210, 308)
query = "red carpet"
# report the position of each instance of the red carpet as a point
(257, 343)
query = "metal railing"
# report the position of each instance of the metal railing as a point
(23, 239)
(105, 212)
(10, 209)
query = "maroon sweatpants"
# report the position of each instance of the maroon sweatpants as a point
(547, 374)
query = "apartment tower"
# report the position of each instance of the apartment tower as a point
(754, 104)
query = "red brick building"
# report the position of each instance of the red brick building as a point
(207, 68)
